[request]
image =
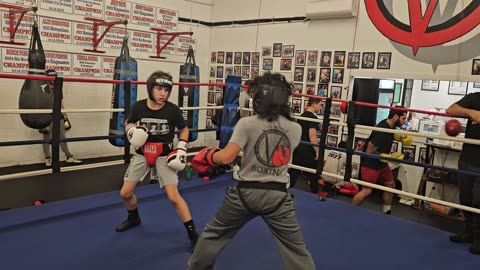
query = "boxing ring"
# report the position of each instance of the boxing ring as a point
(78, 233)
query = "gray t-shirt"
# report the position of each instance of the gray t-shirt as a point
(267, 147)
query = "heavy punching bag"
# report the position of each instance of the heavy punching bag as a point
(36, 94)
(188, 96)
(125, 69)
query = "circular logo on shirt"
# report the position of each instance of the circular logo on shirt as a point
(272, 148)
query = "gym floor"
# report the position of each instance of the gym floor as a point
(21, 192)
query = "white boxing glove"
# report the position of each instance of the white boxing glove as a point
(177, 159)
(137, 136)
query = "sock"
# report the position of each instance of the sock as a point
(189, 225)
(386, 208)
(133, 214)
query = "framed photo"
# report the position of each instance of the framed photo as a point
(333, 129)
(337, 75)
(311, 75)
(213, 57)
(212, 71)
(237, 59)
(246, 58)
(219, 71)
(368, 60)
(277, 49)
(288, 51)
(335, 111)
(476, 67)
(339, 59)
(322, 90)
(237, 70)
(298, 74)
(211, 97)
(210, 87)
(409, 152)
(219, 88)
(296, 105)
(298, 88)
(325, 59)
(336, 91)
(457, 88)
(300, 56)
(267, 64)
(321, 112)
(353, 60)
(228, 71)
(312, 58)
(332, 141)
(394, 147)
(229, 58)
(359, 144)
(286, 64)
(218, 97)
(384, 59)
(310, 89)
(266, 51)
(246, 72)
(209, 123)
(429, 85)
(324, 76)
(397, 92)
(255, 71)
(422, 155)
(255, 58)
(221, 57)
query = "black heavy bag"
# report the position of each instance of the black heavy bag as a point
(188, 96)
(36, 94)
(231, 93)
(125, 69)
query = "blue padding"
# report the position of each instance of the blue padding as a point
(231, 94)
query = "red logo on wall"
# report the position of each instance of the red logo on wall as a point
(419, 33)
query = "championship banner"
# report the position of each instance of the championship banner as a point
(189, 96)
(125, 69)
(108, 65)
(83, 34)
(89, 8)
(114, 38)
(183, 44)
(64, 6)
(170, 49)
(117, 10)
(25, 3)
(143, 15)
(55, 30)
(14, 60)
(167, 19)
(24, 30)
(60, 62)
(87, 66)
(142, 41)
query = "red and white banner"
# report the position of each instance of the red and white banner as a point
(14, 60)
(143, 15)
(55, 30)
(184, 43)
(142, 41)
(83, 34)
(108, 67)
(87, 65)
(61, 62)
(170, 49)
(64, 6)
(114, 38)
(89, 8)
(167, 19)
(117, 10)
(24, 31)
(25, 3)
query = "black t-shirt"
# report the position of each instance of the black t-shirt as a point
(470, 151)
(306, 125)
(383, 141)
(160, 123)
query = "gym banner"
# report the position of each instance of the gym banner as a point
(114, 38)
(83, 34)
(64, 6)
(167, 19)
(14, 60)
(87, 66)
(25, 3)
(108, 67)
(89, 8)
(170, 49)
(60, 61)
(117, 10)
(24, 29)
(142, 41)
(143, 15)
(184, 43)
(55, 30)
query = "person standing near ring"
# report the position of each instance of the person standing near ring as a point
(469, 185)
(64, 126)
(150, 127)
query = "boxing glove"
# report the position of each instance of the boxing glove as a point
(137, 136)
(44, 130)
(66, 122)
(177, 159)
(396, 155)
(204, 160)
(406, 140)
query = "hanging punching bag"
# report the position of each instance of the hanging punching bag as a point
(188, 96)
(36, 94)
(125, 69)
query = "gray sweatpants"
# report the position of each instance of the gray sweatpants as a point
(63, 145)
(232, 215)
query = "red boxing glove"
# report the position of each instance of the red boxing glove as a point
(204, 159)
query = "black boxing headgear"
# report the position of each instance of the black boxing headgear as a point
(270, 92)
(159, 78)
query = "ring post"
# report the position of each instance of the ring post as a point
(56, 117)
(350, 136)
(323, 137)
(126, 96)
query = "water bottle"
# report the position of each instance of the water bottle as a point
(188, 171)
